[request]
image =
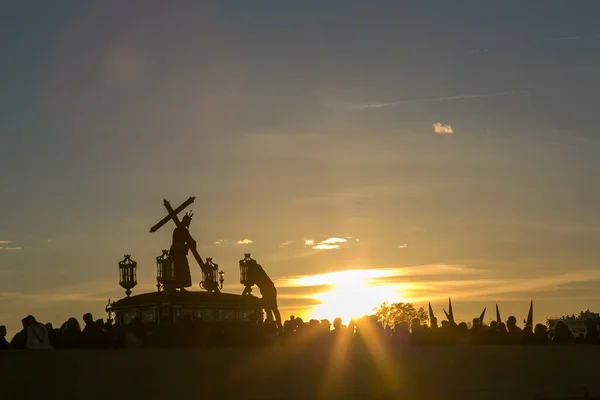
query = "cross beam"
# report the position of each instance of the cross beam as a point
(172, 213)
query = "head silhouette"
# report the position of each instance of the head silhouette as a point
(501, 327)
(87, 318)
(511, 321)
(337, 323)
(28, 321)
(187, 220)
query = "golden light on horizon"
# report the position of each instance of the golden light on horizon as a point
(355, 292)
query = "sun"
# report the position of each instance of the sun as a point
(355, 293)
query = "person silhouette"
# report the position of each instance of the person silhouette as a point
(3, 342)
(257, 276)
(182, 243)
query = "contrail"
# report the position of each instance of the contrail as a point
(428, 100)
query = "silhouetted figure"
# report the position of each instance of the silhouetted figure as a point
(91, 335)
(502, 337)
(490, 336)
(462, 334)
(325, 325)
(514, 332)
(337, 326)
(257, 276)
(3, 342)
(36, 334)
(52, 334)
(19, 341)
(591, 335)
(71, 334)
(562, 334)
(527, 336)
(418, 334)
(400, 334)
(476, 333)
(540, 334)
(182, 243)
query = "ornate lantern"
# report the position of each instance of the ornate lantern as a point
(165, 271)
(245, 273)
(244, 266)
(109, 311)
(209, 276)
(221, 279)
(127, 274)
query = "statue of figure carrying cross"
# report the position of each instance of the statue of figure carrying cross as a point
(182, 243)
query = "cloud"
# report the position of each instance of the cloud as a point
(333, 240)
(222, 241)
(286, 243)
(433, 99)
(11, 248)
(245, 241)
(5, 242)
(402, 246)
(322, 246)
(327, 244)
(442, 129)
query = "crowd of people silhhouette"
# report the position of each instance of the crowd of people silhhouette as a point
(398, 324)
(189, 332)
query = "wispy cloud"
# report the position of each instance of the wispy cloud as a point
(323, 246)
(434, 99)
(442, 129)
(222, 241)
(11, 248)
(286, 243)
(402, 246)
(5, 241)
(567, 38)
(327, 244)
(245, 241)
(333, 240)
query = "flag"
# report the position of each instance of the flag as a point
(482, 316)
(498, 319)
(530, 315)
(431, 316)
(450, 312)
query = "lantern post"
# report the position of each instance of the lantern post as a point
(165, 273)
(244, 275)
(127, 274)
(221, 278)
(209, 276)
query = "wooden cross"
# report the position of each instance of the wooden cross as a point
(172, 215)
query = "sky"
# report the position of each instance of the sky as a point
(439, 149)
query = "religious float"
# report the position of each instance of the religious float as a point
(167, 305)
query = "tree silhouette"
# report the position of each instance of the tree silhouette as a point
(391, 314)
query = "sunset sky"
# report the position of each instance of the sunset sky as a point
(445, 148)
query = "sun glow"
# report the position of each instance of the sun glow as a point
(355, 292)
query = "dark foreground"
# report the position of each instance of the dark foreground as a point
(484, 372)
